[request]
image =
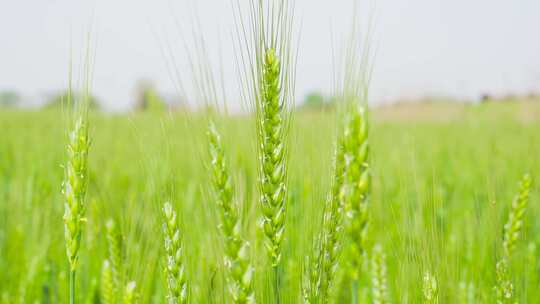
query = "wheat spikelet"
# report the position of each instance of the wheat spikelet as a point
(379, 279)
(237, 261)
(107, 291)
(177, 286)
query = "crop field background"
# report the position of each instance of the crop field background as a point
(443, 184)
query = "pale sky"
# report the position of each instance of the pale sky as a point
(460, 48)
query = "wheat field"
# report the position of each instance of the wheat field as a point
(429, 202)
(441, 194)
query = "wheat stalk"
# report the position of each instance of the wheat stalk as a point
(177, 285)
(237, 260)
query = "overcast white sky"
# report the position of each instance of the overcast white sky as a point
(460, 48)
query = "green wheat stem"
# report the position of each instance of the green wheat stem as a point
(72, 286)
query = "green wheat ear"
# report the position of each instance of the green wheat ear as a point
(323, 266)
(379, 280)
(430, 289)
(358, 179)
(114, 241)
(107, 291)
(130, 295)
(272, 157)
(513, 227)
(74, 189)
(504, 289)
(237, 259)
(177, 285)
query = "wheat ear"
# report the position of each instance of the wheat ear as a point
(379, 280)
(107, 291)
(74, 191)
(130, 295)
(272, 158)
(114, 241)
(321, 274)
(512, 230)
(430, 289)
(237, 259)
(358, 182)
(177, 285)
